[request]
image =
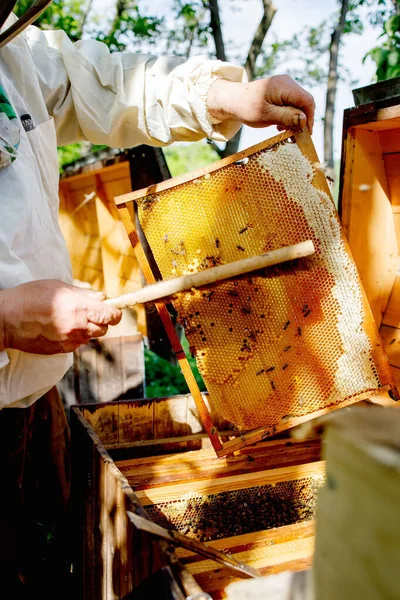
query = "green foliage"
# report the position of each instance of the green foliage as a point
(387, 55)
(61, 14)
(165, 379)
(184, 158)
(67, 154)
(129, 26)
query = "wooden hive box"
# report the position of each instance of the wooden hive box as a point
(369, 207)
(153, 457)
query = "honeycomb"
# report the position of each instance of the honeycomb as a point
(225, 514)
(284, 342)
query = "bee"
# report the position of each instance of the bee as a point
(246, 228)
(240, 248)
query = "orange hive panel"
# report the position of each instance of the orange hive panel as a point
(285, 342)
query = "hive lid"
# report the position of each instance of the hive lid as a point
(286, 344)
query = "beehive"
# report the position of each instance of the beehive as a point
(153, 458)
(285, 344)
(369, 206)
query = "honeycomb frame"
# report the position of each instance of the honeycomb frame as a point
(314, 310)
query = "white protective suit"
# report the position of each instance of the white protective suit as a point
(73, 92)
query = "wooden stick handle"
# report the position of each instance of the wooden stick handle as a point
(191, 544)
(166, 288)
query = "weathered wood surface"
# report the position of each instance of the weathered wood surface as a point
(270, 551)
(121, 424)
(175, 491)
(143, 473)
(358, 525)
(183, 541)
(367, 218)
(109, 369)
(369, 205)
(111, 556)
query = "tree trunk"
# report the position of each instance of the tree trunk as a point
(269, 11)
(84, 17)
(215, 23)
(332, 86)
(121, 6)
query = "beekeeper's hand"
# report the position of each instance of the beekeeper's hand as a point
(50, 317)
(276, 100)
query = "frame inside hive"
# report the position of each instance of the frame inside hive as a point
(314, 310)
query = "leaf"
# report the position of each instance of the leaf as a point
(392, 25)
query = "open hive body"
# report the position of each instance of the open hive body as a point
(286, 344)
(369, 207)
(257, 504)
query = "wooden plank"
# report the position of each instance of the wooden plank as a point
(154, 471)
(165, 185)
(256, 539)
(169, 493)
(386, 118)
(391, 344)
(285, 548)
(255, 436)
(135, 421)
(396, 220)
(112, 558)
(117, 170)
(120, 267)
(390, 140)
(85, 359)
(103, 422)
(396, 373)
(133, 367)
(392, 314)
(110, 370)
(170, 419)
(367, 218)
(392, 167)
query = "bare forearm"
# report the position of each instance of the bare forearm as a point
(276, 100)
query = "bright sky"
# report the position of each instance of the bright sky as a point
(292, 17)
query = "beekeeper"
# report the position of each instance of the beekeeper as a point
(52, 93)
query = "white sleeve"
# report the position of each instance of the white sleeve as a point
(123, 99)
(4, 360)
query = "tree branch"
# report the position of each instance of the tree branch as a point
(269, 11)
(85, 16)
(216, 148)
(332, 84)
(215, 23)
(121, 6)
